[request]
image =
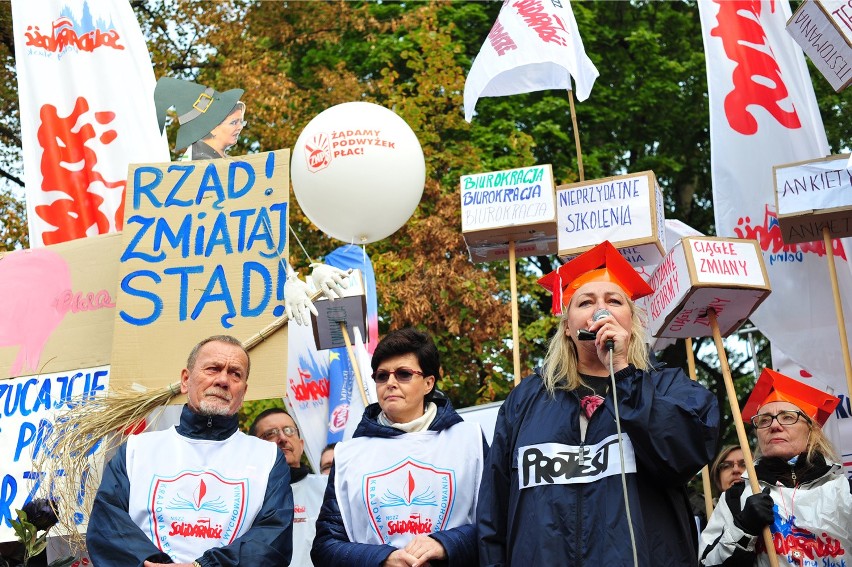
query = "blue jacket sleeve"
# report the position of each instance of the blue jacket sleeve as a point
(332, 547)
(672, 422)
(112, 538)
(493, 507)
(269, 540)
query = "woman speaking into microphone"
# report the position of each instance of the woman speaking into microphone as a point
(579, 472)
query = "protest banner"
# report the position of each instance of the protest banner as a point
(29, 405)
(203, 253)
(757, 121)
(627, 210)
(701, 273)
(86, 85)
(507, 213)
(823, 29)
(58, 305)
(513, 206)
(812, 195)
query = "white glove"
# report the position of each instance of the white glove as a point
(297, 300)
(331, 281)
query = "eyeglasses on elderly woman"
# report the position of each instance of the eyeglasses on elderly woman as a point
(401, 375)
(788, 417)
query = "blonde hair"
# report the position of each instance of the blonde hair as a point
(561, 372)
(817, 443)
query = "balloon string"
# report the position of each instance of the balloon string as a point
(296, 236)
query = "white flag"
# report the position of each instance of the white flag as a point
(86, 88)
(533, 46)
(763, 112)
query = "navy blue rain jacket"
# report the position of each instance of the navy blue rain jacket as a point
(114, 540)
(332, 547)
(672, 423)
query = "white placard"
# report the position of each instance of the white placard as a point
(726, 262)
(507, 198)
(700, 273)
(813, 186)
(823, 29)
(626, 210)
(29, 406)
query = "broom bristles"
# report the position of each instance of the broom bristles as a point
(69, 450)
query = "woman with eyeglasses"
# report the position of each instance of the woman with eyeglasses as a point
(226, 134)
(403, 491)
(727, 468)
(806, 499)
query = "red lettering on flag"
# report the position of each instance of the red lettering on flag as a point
(548, 27)
(757, 77)
(500, 39)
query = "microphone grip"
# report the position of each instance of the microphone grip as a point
(610, 344)
(586, 335)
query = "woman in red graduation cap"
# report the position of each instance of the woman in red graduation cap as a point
(806, 499)
(552, 491)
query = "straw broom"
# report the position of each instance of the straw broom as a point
(98, 425)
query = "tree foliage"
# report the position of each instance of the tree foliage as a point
(648, 111)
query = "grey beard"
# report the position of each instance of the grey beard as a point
(208, 408)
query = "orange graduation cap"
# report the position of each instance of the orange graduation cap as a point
(775, 387)
(602, 263)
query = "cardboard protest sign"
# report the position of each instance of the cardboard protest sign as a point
(203, 254)
(627, 210)
(725, 274)
(515, 205)
(57, 305)
(351, 309)
(812, 195)
(29, 406)
(823, 29)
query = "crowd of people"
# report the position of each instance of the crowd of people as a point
(589, 463)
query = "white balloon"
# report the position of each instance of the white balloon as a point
(358, 172)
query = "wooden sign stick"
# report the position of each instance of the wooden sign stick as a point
(705, 472)
(354, 362)
(741, 433)
(838, 307)
(516, 341)
(576, 135)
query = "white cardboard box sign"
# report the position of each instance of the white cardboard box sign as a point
(627, 210)
(811, 195)
(698, 273)
(823, 29)
(516, 205)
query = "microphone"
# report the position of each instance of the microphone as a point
(586, 335)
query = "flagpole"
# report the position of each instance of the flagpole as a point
(838, 307)
(354, 362)
(741, 433)
(576, 135)
(513, 284)
(705, 472)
